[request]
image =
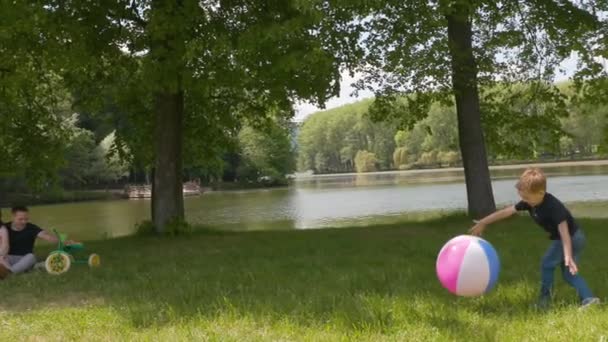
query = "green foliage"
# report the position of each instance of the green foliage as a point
(81, 158)
(33, 129)
(265, 154)
(178, 226)
(110, 167)
(144, 228)
(365, 162)
(409, 66)
(401, 138)
(174, 228)
(442, 129)
(236, 62)
(88, 164)
(321, 162)
(239, 63)
(450, 158)
(208, 68)
(401, 157)
(34, 104)
(587, 129)
(329, 141)
(428, 159)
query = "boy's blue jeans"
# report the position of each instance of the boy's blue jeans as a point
(554, 257)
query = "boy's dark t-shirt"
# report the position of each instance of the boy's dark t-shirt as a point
(549, 214)
(22, 242)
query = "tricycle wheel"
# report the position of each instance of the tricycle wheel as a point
(58, 262)
(94, 260)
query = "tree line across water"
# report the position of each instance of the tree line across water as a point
(346, 139)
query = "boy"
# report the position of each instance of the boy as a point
(567, 239)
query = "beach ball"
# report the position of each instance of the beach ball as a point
(468, 266)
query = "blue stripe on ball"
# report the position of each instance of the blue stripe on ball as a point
(493, 261)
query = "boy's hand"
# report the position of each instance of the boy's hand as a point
(478, 228)
(571, 265)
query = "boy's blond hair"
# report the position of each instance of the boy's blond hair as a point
(533, 181)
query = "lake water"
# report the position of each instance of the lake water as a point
(331, 201)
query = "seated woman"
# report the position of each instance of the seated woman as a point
(4, 265)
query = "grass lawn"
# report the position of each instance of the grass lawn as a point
(359, 284)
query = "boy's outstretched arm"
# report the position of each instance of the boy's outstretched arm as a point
(502, 214)
(567, 245)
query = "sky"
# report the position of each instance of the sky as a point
(303, 110)
(346, 89)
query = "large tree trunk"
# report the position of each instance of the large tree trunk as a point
(464, 81)
(167, 194)
(165, 48)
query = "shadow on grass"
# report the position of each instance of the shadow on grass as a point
(363, 279)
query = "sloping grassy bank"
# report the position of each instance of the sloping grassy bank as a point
(365, 284)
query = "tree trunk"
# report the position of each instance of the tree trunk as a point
(167, 195)
(470, 132)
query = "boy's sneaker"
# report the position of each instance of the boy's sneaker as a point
(587, 302)
(543, 303)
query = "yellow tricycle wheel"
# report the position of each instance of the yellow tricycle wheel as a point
(94, 260)
(58, 263)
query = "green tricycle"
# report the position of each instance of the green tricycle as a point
(60, 260)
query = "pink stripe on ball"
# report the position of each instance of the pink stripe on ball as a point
(449, 262)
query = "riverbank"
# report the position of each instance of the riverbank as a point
(364, 284)
(76, 196)
(61, 196)
(513, 166)
(58, 196)
(238, 186)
